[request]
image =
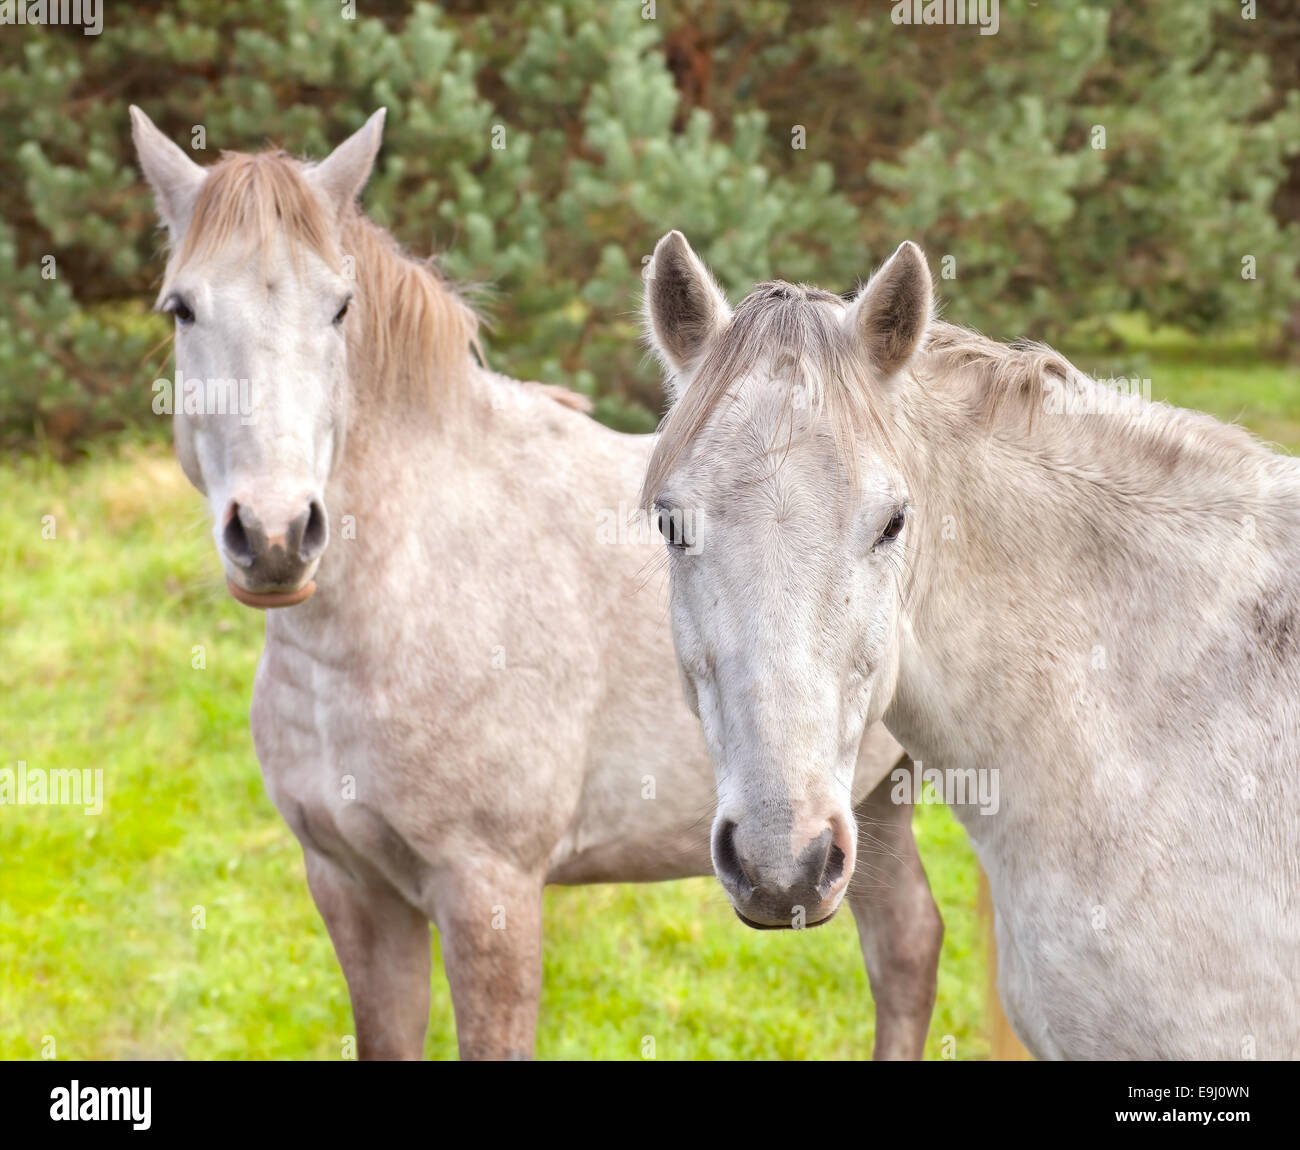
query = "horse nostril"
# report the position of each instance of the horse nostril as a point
(235, 539)
(834, 870)
(727, 864)
(315, 534)
(814, 861)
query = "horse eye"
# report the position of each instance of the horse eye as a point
(672, 528)
(338, 318)
(182, 311)
(894, 527)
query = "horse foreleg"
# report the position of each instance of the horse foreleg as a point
(898, 924)
(490, 919)
(382, 943)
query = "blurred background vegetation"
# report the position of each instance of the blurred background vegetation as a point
(618, 127)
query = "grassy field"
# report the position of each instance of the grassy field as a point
(99, 955)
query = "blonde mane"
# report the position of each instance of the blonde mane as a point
(415, 332)
(797, 329)
(1004, 385)
(1007, 376)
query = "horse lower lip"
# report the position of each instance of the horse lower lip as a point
(265, 601)
(782, 925)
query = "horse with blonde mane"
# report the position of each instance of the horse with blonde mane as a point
(1085, 598)
(467, 689)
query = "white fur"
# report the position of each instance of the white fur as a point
(1105, 609)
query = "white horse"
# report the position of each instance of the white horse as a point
(473, 693)
(1076, 602)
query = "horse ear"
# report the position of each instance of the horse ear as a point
(173, 176)
(684, 307)
(344, 172)
(891, 315)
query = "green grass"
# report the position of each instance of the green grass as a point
(97, 942)
(97, 945)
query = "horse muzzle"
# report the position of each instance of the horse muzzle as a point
(272, 548)
(771, 886)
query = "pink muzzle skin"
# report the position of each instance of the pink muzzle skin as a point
(275, 599)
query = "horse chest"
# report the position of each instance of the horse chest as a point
(373, 772)
(314, 729)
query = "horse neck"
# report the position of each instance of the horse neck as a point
(387, 417)
(1073, 561)
(401, 452)
(414, 377)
